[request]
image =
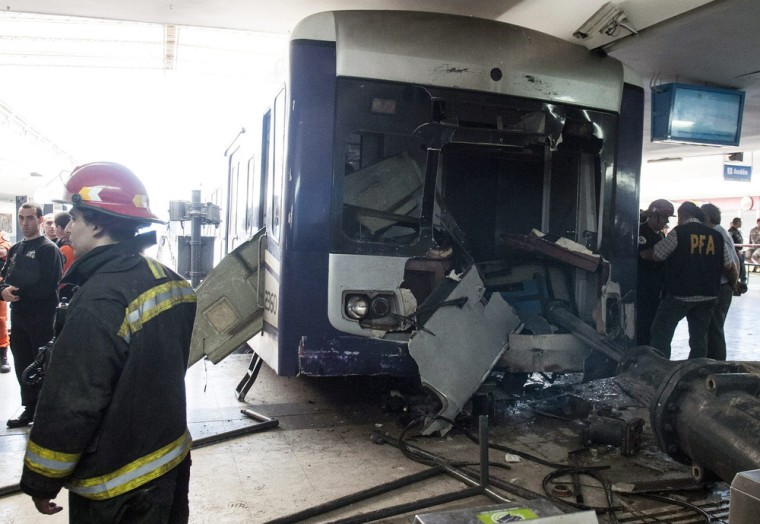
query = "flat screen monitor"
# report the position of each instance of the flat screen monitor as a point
(696, 114)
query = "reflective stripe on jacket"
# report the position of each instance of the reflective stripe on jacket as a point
(134, 474)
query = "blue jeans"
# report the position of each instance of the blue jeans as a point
(670, 312)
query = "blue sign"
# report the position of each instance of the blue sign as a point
(738, 173)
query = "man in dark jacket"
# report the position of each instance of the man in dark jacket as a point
(649, 280)
(111, 419)
(695, 258)
(30, 285)
(736, 236)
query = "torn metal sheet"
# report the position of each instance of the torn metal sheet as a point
(561, 352)
(460, 345)
(230, 303)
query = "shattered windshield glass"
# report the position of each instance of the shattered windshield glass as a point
(382, 197)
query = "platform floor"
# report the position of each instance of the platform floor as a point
(322, 449)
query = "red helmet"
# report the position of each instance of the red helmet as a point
(661, 207)
(110, 188)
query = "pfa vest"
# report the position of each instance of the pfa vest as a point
(694, 268)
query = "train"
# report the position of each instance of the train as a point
(423, 187)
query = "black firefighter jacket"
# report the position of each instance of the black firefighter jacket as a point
(111, 415)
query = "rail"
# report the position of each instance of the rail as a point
(749, 265)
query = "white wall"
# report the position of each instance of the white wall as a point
(694, 178)
(701, 179)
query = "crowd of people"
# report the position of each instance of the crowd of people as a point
(693, 272)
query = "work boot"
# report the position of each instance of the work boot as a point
(26, 418)
(4, 367)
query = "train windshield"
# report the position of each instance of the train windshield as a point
(421, 166)
(382, 197)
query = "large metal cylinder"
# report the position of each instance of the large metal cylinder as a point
(705, 413)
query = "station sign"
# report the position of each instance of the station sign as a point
(737, 173)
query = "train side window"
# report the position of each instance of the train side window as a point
(251, 221)
(243, 201)
(266, 168)
(234, 225)
(277, 148)
(382, 188)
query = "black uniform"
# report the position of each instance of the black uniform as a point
(33, 266)
(692, 284)
(649, 284)
(736, 236)
(111, 420)
(695, 267)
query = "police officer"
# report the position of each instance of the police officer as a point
(736, 236)
(695, 256)
(650, 275)
(111, 419)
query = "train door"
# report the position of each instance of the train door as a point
(231, 298)
(240, 297)
(244, 197)
(272, 182)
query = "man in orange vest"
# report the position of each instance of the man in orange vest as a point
(5, 245)
(61, 220)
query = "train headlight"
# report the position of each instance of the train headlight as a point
(357, 306)
(380, 306)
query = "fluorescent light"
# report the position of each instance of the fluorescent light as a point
(665, 159)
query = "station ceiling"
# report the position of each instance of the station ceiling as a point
(695, 41)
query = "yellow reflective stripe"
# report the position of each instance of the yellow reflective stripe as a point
(153, 302)
(54, 464)
(134, 474)
(90, 194)
(156, 268)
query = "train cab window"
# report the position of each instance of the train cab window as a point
(382, 187)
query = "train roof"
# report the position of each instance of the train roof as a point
(466, 53)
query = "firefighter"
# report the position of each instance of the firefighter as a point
(111, 419)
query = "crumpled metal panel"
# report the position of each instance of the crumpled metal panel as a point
(459, 346)
(557, 353)
(229, 308)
